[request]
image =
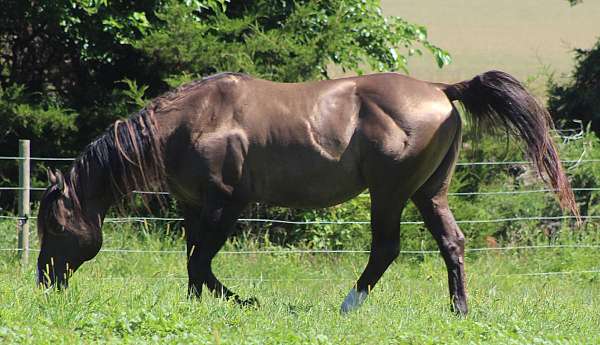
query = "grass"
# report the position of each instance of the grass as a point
(140, 298)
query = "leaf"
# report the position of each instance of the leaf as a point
(442, 57)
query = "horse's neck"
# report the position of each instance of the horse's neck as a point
(92, 193)
(125, 158)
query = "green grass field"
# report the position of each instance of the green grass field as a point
(140, 298)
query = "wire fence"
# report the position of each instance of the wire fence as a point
(331, 222)
(325, 251)
(462, 164)
(482, 193)
(337, 251)
(569, 161)
(353, 222)
(330, 279)
(342, 222)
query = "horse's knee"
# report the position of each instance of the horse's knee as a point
(460, 240)
(446, 231)
(198, 268)
(393, 251)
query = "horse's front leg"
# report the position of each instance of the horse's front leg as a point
(206, 232)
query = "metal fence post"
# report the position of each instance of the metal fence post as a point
(24, 207)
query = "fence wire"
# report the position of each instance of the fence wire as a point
(262, 279)
(350, 222)
(316, 222)
(571, 161)
(336, 251)
(330, 222)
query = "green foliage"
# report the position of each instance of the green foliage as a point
(579, 99)
(60, 63)
(135, 93)
(22, 118)
(326, 235)
(281, 40)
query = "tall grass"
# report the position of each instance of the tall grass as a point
(140, 298)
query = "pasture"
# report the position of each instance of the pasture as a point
(525, 38)
(133, 297)
(542, 295)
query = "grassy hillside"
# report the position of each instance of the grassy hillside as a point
(517, 36)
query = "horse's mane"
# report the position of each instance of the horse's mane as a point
(131, 150)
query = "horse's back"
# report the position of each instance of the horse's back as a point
(319, 143)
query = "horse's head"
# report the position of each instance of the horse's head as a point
(67, 236)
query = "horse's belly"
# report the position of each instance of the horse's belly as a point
(304, 179)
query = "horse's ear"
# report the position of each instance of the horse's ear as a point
(60, 182)
(56, 178)
(51, 176)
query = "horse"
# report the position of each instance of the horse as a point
(222, 142)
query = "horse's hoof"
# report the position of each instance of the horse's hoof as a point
(194, 293)
(353, 301)
(248, 302)
(460, 309)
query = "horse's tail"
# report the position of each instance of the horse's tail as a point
(496, 98)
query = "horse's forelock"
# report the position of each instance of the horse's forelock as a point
(46, 211)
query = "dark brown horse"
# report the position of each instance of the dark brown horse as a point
(220, 143)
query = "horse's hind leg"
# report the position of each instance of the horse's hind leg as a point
(432, 201)
(386, 210)
(451, 241)
(206, 232)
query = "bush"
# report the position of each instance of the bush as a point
(580, 98)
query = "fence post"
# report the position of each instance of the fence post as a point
(23, 227)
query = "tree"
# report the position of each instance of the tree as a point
(579, 98)
(283, 40)
(68, 68)
(59, 62)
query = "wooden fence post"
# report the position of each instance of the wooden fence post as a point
(24, 207)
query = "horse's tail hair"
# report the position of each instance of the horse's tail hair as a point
(496, 98)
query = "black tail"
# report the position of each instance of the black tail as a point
(496, 98)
